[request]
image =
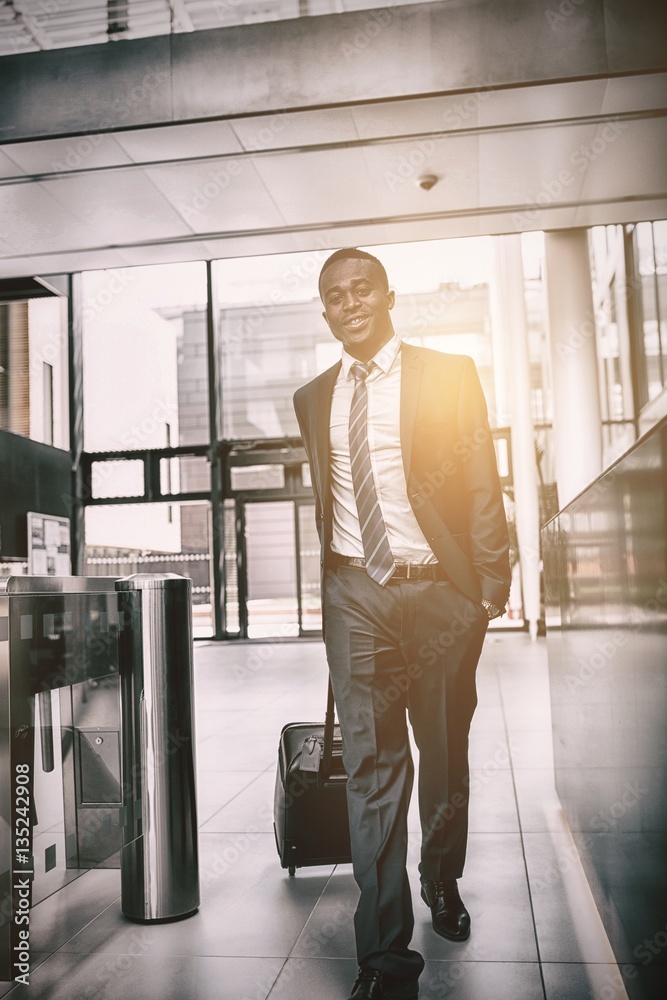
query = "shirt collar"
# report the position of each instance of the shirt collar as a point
(384, 358)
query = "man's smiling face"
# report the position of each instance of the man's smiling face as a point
(357, 305)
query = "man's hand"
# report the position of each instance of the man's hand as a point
(491, 610)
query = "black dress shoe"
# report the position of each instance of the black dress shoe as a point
(449, 916)
(367, 985)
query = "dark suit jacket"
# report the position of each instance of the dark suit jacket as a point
(449, 461)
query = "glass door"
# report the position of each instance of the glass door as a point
(279, 569)
(310, 604)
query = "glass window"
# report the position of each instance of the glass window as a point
(232, 619)
(117, 479)
(34, 369)
(257, 477)
(650, 252)
(660, 256)
(145, 357)
(309, 563)
(272, 337)
(155, 538)
(271, 560)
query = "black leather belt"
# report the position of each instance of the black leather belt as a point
(403, 571)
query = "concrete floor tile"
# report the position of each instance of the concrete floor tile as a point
(495, 891)
(533, 748)
(461, 980)
(568, 924)
(573, 981)
(215, 789)
(250, 810)
(165, 977)
(249, 906)
(540, 809)
(315, 979)
(56, 919)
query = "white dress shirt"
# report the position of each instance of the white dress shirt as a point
(383, 386)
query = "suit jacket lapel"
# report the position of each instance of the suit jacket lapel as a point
(411, 373)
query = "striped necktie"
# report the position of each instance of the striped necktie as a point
(379, 560)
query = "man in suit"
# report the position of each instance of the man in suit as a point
(415, 563)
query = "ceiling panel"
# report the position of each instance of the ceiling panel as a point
(627, 158)
(173, 141)
(8, 168)
(224, 196)
(532, 167)
(396, 169)
(87, 152)
(430, 114)
(544, 103)
(45, 264)
(301, 128)
(120, 206)
(32, 221)
(319, 186)
(483, 108)
(631, 93)
(644, 210)
(258, 246)
(165, 253)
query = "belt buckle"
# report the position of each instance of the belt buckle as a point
(408, 568)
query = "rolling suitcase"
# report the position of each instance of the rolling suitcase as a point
(310, 818)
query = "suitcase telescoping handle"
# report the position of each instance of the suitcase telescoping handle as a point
(329, 720)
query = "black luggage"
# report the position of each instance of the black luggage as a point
(310, 818)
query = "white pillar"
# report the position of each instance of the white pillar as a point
(577, 425)
(509, 317)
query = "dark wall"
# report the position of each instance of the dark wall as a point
(606, 588)
(35, 477)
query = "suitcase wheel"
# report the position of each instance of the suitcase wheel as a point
(292, 870)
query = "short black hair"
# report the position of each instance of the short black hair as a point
(352, 253)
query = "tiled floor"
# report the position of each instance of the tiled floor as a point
(260, 934)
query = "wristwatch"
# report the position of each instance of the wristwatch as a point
(491, 610)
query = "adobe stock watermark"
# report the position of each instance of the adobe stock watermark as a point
(425, 316)
(578, 336)
(133, 439)
(465, 448)
(606, 649)
(221, 178)
(587, 667)
(262, 653)
(552, 190)
(602, 821)
(409, 165)
(373, 26)
(456, 115)
(561, 14)
(292, 279)
(475, 782)
(116, 283)
(398, 683)
(605, 820)
(77, 152)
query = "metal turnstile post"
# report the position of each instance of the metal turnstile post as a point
(159, 858)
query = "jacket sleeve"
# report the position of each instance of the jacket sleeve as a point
(487, 522)
(307, 432)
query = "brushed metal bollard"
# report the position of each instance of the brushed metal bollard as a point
(159, 857)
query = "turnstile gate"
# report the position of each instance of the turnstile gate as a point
(70, 768)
